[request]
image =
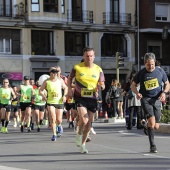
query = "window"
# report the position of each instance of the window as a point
(42, 42)
(63, 6)
(51, 6)
(10, 41)
(6, 8)
(114, 9)
(75, 43)
(77, 14)
(155, 47)
(5, 46)
(35, 6)
(112, 43)
(161, 12)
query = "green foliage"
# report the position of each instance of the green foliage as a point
(165, 115)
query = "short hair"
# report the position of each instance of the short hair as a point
(88, 48)
(149, 56)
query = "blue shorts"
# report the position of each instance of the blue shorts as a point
(151, 107)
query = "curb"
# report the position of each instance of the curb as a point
(110, 120)
(163, 128)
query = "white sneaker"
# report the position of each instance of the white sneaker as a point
(83, 149)
(78, 141)
(92, 131)
(15, 124)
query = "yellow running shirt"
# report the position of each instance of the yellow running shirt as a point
(86, 79)
(54, 90)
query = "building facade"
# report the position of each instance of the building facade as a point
(154, 27)
(38, 34)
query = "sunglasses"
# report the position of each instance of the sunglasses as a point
(6, 82)
(54, 71)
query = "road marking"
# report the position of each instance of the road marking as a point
(130, 151)
(157, 156)
(10, 168)
(125, 132)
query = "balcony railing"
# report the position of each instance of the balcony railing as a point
(80, 15)
(118, 18)
(6, 11)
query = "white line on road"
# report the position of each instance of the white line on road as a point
(10, 168)
(125, 132)
(158, 156)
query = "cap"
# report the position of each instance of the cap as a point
(26, 78)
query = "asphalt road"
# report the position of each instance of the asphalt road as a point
(112, 148)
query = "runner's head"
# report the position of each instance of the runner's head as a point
(149, 61)
(89, 55)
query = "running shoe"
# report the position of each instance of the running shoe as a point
(83, 149)
(2, 129)
(22, 128)
(88, 139)
(15, 124)
(28, 129)
(59, 130)
(38, 129)
(54, 137)
(5, 130)
(153, 149)
(92, 131)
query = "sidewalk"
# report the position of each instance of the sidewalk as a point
(163, 127)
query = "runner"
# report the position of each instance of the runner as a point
(154, 85)
(55, 100)
(87, 75)
(39, 106)
(6, 94)
(26, 94)
(15, 108)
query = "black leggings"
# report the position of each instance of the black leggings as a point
(114, 107)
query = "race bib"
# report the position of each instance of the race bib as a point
(54, 94)
(5, 96)
(14, 103)
(151, 84)
(70, 101)
(86, 93)
(25, 97)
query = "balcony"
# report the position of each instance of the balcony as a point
(6, 11)
(116, 18)
(80, 16)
